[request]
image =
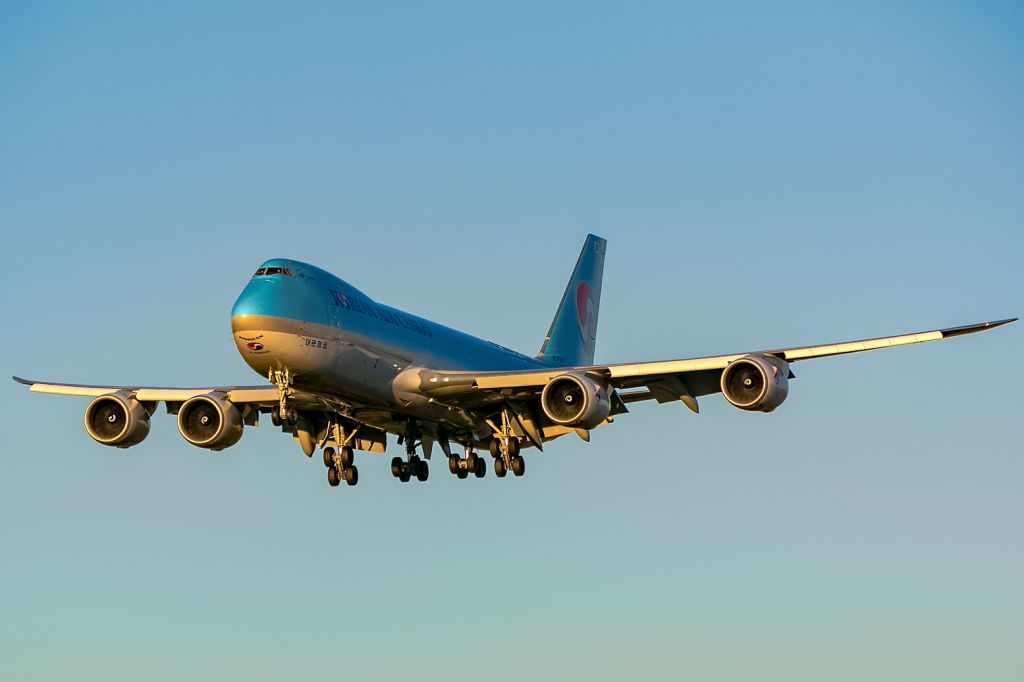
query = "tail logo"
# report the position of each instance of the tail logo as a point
(584, 315)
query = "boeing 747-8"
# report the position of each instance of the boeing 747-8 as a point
(344, 370)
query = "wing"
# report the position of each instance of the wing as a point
(251, 396)
(664, 381)
(319, 411)
(237, 394)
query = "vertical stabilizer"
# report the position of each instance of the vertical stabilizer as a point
(573, 333)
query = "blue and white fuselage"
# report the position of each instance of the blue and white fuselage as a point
(332, 337)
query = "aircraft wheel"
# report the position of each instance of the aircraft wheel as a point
(518, 466)
(481, 468)
(351, 475)
(348, 457)
(332, 477)
(495, 447)
(462, 473)
(404, 475)
(396, 466)
(513, 447)
(471, 461)
(328, 457)
(453, 464)
(499, 468)
(275, 415)
(422, 471)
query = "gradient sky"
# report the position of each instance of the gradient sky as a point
(765, 177)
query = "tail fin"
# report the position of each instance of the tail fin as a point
(573, 333)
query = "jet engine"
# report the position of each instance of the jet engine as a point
(576, 400)
(210, 421)
(757, 383)
(117, 419)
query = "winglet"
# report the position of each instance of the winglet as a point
(972, 328)
(25, 382)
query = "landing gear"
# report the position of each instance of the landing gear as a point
(404, 471)
(341, 466)
(472, 463)
(505, 451)
(498, 445)
(412, 466)
(505, 447)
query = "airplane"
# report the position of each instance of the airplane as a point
(343, 371)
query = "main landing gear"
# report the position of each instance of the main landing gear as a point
(472, 463)
(505, 451)
(412, 466)
(340, 466)
(405, 470)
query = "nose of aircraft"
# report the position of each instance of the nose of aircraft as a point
(253, 300)
(268, 292)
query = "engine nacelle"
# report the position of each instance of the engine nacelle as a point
(757, 383)
(576, 400)
(117, 419)
(210, 421)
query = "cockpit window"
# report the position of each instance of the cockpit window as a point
(274, 271)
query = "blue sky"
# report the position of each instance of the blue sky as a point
(765, 177)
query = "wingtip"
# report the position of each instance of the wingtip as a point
(25, 382)
(972, 328)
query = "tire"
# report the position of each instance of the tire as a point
(275, 415)
(422, 471)
(471, 461)
(513, 447)
(332, 477)
(453, 464)
(396, 466)
(351, 475)
(329, 457)
(481, 468)
(462, 473)
(348, 457)
(499, 468)
(518, 466)
(494, 447)
(403, 475)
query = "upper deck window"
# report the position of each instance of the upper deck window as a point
(274, 271)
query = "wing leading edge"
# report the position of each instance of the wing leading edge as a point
(236, 394)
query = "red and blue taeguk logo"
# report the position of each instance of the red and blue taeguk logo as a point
(584, 311)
